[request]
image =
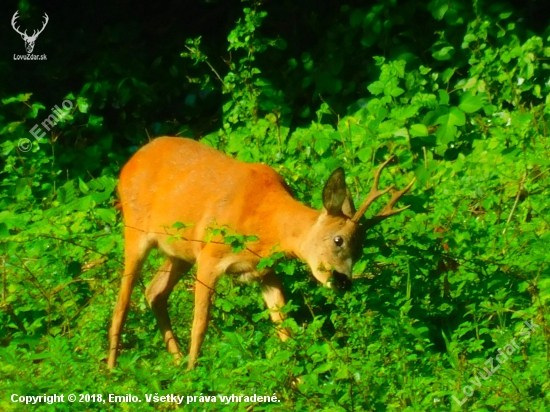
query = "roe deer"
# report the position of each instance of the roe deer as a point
(173, 180)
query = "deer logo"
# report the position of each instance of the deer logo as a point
(29, 40)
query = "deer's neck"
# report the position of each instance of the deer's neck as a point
(291, 223)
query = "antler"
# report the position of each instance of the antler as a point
(13, 19)
(375, 193)
(35, 32)
(35, 35)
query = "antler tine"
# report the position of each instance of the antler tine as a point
(374, 193)
(388, 210)
(13, 22)
(46, 20)
(395, 196)
(37, 32)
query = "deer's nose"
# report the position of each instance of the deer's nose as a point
(340, 281)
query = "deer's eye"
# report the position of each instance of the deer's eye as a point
(338, 241)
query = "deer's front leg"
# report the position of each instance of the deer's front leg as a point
(272, 291)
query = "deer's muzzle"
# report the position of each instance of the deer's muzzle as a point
(339, 281)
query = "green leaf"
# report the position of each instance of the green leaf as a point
(376, 87)
(445, 53)
(82, 104)
(107, 215)
(6, 148)
(180, 225)
(4, 232)
(305, 112)
(446, 131)
(443, 97)
(438, 8)
(447, 74)
(19, 98)
(95, 121)
(404, 112)
(34, 110)
(422, 174)
(470, 103)
(83, 186)
(396, 91)
(457, 116)
(364, 154)
(11, 127)
(417, 130)
(321, 144)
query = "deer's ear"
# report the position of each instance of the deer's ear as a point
(337, 196)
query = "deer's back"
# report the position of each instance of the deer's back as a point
(180, 180)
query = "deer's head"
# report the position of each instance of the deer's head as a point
(29, 40)
(333, 244)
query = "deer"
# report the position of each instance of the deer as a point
(178, 180)
(29, 40)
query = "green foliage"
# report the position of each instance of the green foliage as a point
(438, 289)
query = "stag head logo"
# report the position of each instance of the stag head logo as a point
(29, 40)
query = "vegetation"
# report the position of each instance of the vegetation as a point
(458, 91)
